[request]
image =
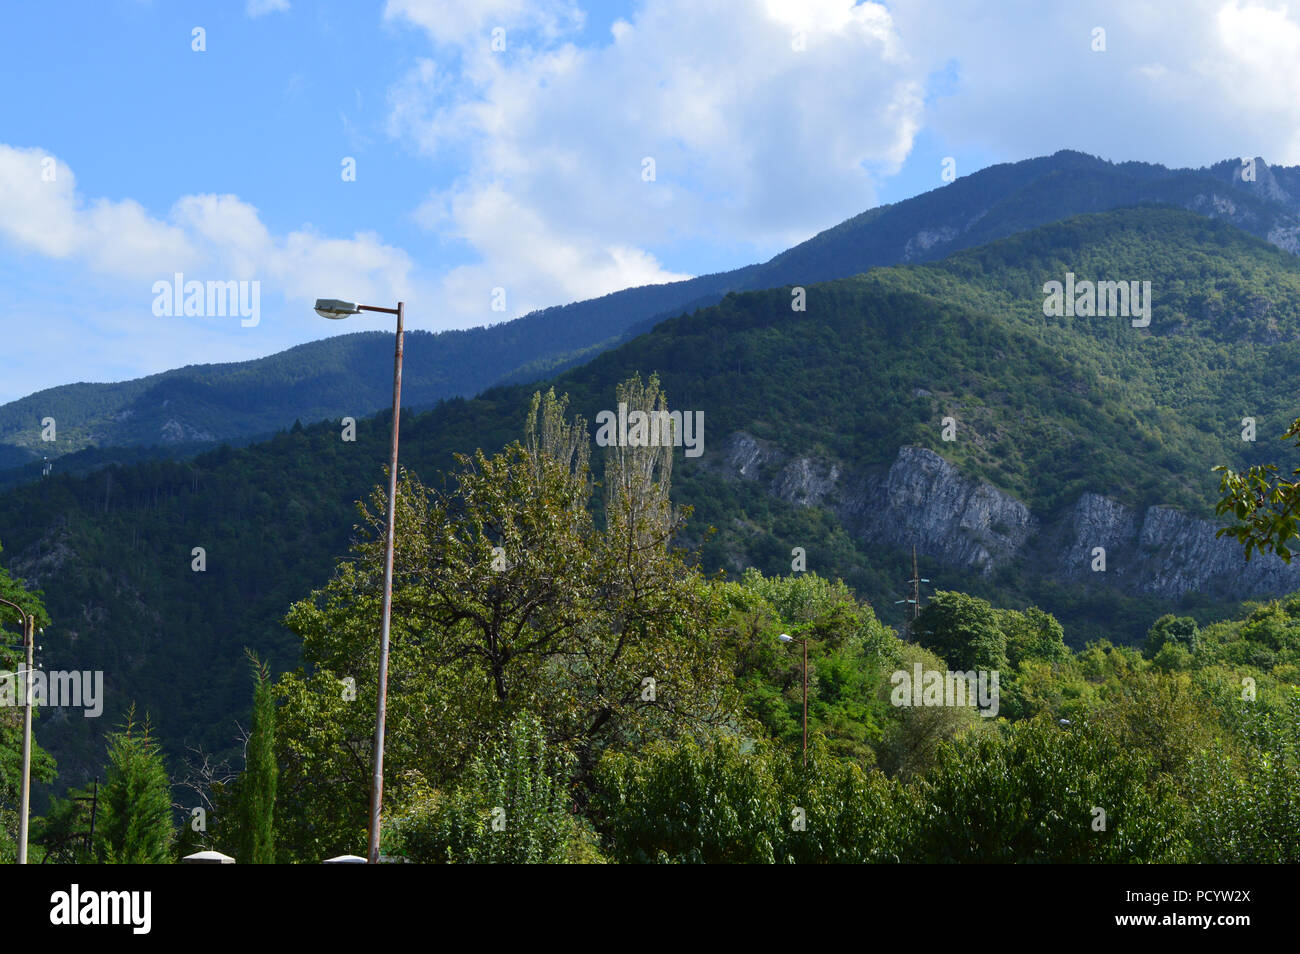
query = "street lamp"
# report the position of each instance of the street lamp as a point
(787, 638)
(335, 308)
(28, 622)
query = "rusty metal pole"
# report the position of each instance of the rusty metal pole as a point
(25, 798)
(805, 700)
(381, 705)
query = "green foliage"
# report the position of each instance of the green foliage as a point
(62, 834)
(254, 790)
(915, 735)
(1028, 795)
(963, 630)
(1031, 796)
(691, 803)
(510, 807)
(136, 827)
(849, 652)
(1181, 631)
(1246, 801)
(742, 802)
(11, 717)
(507, 599)
(1032, 634)
(1265, 505)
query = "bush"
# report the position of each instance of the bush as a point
(1247, 807)
(1033, 796)
(750, 803)
(510, 807)
(1179, 630)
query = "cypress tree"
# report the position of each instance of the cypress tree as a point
(255, 794)
(135, 800)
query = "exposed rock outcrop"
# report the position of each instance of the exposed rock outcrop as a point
(922, 500)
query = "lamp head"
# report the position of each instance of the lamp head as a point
(786, 638)
(335, 308)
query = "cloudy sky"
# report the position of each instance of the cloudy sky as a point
(505, 144)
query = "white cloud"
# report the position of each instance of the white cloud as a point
(41, 211)
(211, 237)
(257, 8)
(1184, 85)
(458, 21)
(759, 137)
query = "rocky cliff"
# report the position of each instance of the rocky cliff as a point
(922, 500)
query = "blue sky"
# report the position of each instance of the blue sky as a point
(522, 168)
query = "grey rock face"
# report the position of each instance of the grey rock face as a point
(1164, 552)
(1286, 238)
(173, 432)
(927, 239)
(805, 482)
(744, 456)
(924, 501)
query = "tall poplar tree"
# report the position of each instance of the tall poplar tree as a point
(255, 793)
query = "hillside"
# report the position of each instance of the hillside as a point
(347, 375)
(823, 430)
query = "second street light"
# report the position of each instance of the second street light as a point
(335, 308)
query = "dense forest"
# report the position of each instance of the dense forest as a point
(1048, 408)
(568, 687)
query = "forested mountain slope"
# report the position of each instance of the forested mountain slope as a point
(347, 375)
(823, 430)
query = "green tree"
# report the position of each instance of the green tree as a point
(11, 716)
(1247, 802)
(510, 807)
(1032, 634)
(914, 735)
(1034, 795)
(728, 800)
(694, 803)
(963, 630)
(254, 795)
(508, 598)
(62, 832)
(1264, 504)
(136, 825)
(1170, 629)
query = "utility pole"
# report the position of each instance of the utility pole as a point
(916, 587)
(93, 798)
(915, 598)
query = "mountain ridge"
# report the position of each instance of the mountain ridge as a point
(200, 404)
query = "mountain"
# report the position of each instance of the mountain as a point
(824, 429)
(201, 405)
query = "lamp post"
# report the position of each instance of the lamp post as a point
(334, 308)
(28, 623)
(787, 638)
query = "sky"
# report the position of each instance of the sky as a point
(484, 158)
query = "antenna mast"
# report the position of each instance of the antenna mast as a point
(915, 583)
